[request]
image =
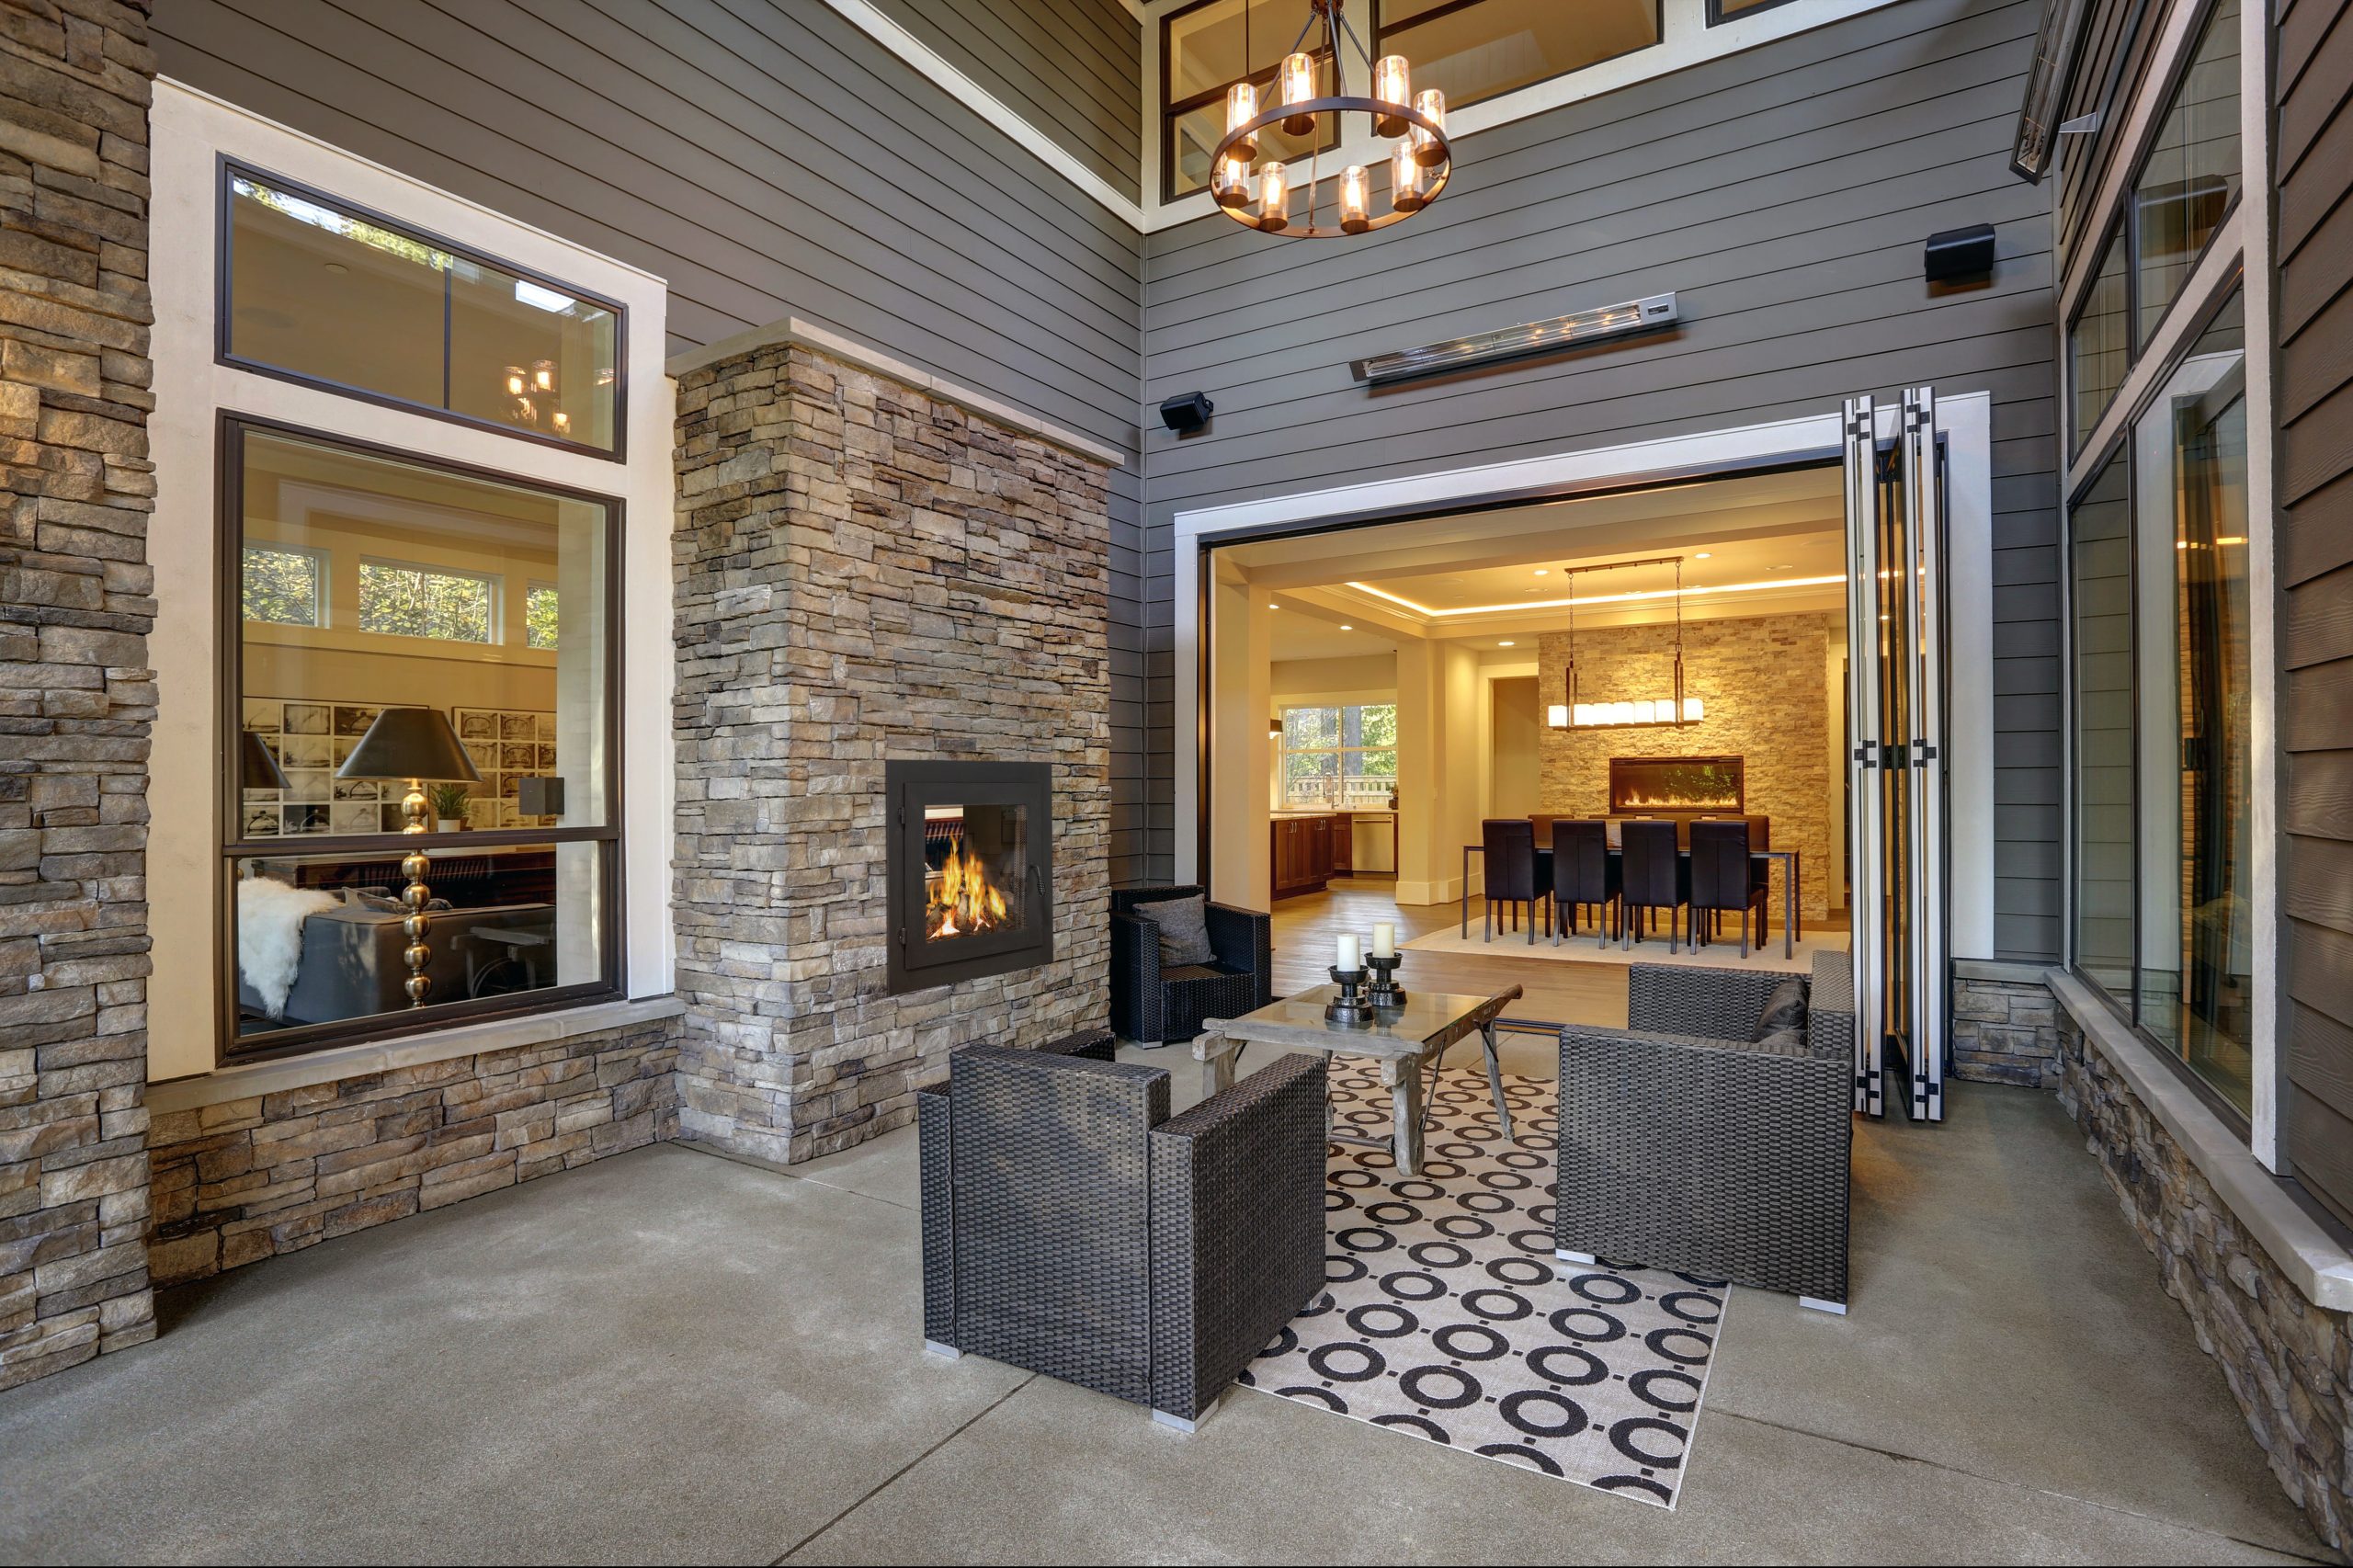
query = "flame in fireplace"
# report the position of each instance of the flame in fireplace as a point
(959, 901)
(1643, 800)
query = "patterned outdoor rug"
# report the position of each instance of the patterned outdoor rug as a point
(1450, 1320)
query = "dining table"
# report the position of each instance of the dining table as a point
(1788, 859)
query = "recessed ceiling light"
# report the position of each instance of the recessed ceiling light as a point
(1503, 645)
(1543, 571)
(1704, 555)
(1274, 606)
(1346, 626)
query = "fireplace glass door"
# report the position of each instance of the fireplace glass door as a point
(971, 869)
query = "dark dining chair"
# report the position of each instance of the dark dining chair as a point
(1724, 879)
(1584, 872)
(1656, 877)
(1510, 873)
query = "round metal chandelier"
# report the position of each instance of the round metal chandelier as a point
(1418, 165)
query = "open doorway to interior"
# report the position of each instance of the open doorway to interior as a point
(1380, 696)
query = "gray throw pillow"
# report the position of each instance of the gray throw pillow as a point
(1184, 925)
(1782, 1042)
(1784, 1008)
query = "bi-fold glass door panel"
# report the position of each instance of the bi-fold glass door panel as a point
(1896, 754)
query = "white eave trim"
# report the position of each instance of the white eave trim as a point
(866, 18)
(2304, 1251)
(866, 356)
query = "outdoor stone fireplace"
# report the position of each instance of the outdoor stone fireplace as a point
(875, 587)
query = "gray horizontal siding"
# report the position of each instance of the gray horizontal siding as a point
(767, 158)
(1784, 193)
(1072, 68)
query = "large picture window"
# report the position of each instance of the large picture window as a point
(2162, 698)
(455, 673)
(1339, 757)
(318, 290)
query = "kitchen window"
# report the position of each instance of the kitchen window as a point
(1339, 757)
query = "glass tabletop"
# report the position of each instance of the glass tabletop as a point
(1299, 1021)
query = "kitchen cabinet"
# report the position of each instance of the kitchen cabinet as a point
(1306, 852)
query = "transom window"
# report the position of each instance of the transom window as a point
(1469, 50)
(398, 601)
(1339, 756)
(318, 290)
(284, 587)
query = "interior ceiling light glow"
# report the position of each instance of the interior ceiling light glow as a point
(1399, 599)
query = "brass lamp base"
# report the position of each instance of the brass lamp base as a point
(416, 924)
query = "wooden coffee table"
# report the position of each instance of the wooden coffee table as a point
(1405, 1045)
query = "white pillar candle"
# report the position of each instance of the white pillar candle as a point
(1346, 959)
(1384, 940)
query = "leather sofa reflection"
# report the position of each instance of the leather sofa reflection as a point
(352, 962)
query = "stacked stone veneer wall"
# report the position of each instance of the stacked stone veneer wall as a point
(865, 572)
(2289, 1363)
(1765, 684)
(247, 1179)
(77, 698)
(2005, 1028)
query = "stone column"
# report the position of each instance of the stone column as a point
(867, 573)
(76, 698)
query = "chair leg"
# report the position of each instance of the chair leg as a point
(1744, 931)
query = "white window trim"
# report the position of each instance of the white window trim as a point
(191, 132)
(2242, 243)
(491, 582)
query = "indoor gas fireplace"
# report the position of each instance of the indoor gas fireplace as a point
(972, 869)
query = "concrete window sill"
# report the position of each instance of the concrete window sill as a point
(2304, 1250)
(248, 1080)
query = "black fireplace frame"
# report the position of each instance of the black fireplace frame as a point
(909, 787)
(1619, 766)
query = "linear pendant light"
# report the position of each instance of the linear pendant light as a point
(1676, 709)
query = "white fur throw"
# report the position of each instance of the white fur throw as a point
(269, 935)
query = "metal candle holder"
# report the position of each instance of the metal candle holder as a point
(1348, 1010)
(1384, 990)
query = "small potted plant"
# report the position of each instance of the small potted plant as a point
(448, 802)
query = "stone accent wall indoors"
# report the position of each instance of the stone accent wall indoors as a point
(1765, 683)
(76, 698)
(246, 1179)
(2005, 1031)
(865, 572)
(2289, 1363)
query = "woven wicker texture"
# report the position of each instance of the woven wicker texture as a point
(1152, 1004)
(1070, 1227)
(1237, 1228)
(1051, 1211)
(1683, 1147)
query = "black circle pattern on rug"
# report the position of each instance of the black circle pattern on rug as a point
(1447, 1318)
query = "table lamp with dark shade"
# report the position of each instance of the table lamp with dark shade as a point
(410, 745)
(256, 768)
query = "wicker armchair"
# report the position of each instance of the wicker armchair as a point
(1072, 1226)
(1684, 1145)
(1154, 1004)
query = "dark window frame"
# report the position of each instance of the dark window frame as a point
(2127, 1011)
(228, 168)
(1171, 109)
(1717, 18)
(230, 431)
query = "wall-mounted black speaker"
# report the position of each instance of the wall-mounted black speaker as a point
(1959, 255)
(1187, 413)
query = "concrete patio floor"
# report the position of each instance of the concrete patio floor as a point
(670, 1356)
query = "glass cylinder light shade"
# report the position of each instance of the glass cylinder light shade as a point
(1274, 199)
(1692, 710)
(1406, 179)
(1353, 196)
(1296, 80)
(1429, 151)
(1556, 716)
(1231, 181)
(1241, 108)
(1389, 84)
